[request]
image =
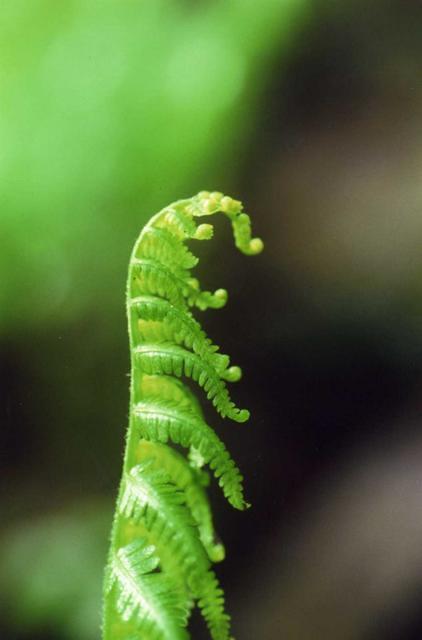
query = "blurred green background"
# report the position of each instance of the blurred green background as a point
(310, 112)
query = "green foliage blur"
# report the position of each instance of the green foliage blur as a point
(109, 111)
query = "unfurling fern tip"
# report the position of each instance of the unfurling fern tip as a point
(163, 541)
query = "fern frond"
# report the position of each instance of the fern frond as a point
(163, 538)
(187, 479)
(144, 597)
(168, 389)
(177, 221)
(161, 245)
(149, 495)
(161, 321)
(165, 421)
(153, 278)
(211, 605)
(172, 360)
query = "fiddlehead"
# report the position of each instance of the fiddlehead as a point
(163, 541)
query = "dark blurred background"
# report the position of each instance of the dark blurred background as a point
(310, 112)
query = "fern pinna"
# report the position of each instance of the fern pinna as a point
(163, 543)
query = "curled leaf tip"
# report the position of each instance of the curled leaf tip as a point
(221, 295)
(204, 232)
(232, 374)
(256, 245)
(217, 553)
(243, 415)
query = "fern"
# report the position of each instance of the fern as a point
(163, 541)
